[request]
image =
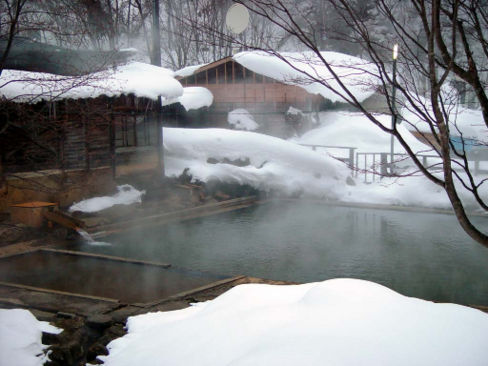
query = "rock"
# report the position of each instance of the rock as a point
(10, 233)
(50, 338)
(99, 321)
(350, 181)
(95, 350)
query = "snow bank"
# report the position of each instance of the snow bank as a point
(357, 74)
(241, 119)
(356, 130)
(196, 97)
(126, 195)
(269, 163)
(335, 322)
(463, 121)
(136, 78)
(20, 338)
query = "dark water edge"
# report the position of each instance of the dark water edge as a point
(418, 254)
(128, 282)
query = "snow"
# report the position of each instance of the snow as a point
(294, 111)
(126, 195)
(196, 97)
(136, 78)
(335, 322)
(284, 167)
(20, 338)
(463, 121)
(187, 71)
(241, 119)
(274, 164)
(357, 74)
(355, 130)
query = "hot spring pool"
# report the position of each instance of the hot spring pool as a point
(417, 254)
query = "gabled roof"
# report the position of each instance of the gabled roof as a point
(306, 70)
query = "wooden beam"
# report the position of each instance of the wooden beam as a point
(105, 257)
(56, 292)
(194, 291)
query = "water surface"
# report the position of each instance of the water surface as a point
(417, 254)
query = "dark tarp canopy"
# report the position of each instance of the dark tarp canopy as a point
(29, 55)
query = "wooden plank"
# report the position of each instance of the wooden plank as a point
(105, 257)
(56, 292)
(193, 291)
(175, 216)
(18, 249)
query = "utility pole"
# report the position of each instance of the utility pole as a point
(156, 60)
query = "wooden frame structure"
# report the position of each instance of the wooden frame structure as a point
(74, 134)
(234, 86)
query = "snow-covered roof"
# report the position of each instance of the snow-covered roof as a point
(187, 71)
(196, 97)
(357, 74)
(142, 80)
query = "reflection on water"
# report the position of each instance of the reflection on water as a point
(127, 282)
(417, 254)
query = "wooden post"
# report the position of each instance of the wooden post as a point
(112, 140)
(384, 164)
(157, 62)
(86, 134)
(134, 127)
(351, 157)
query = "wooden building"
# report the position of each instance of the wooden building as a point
(234, 86)
(75, 133)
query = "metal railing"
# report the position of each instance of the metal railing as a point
(379, 164)
(349, 160)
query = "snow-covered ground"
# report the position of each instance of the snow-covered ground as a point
(354, 129)
(290, 169)
(265, 162)
(335, 322)
(20, 338)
